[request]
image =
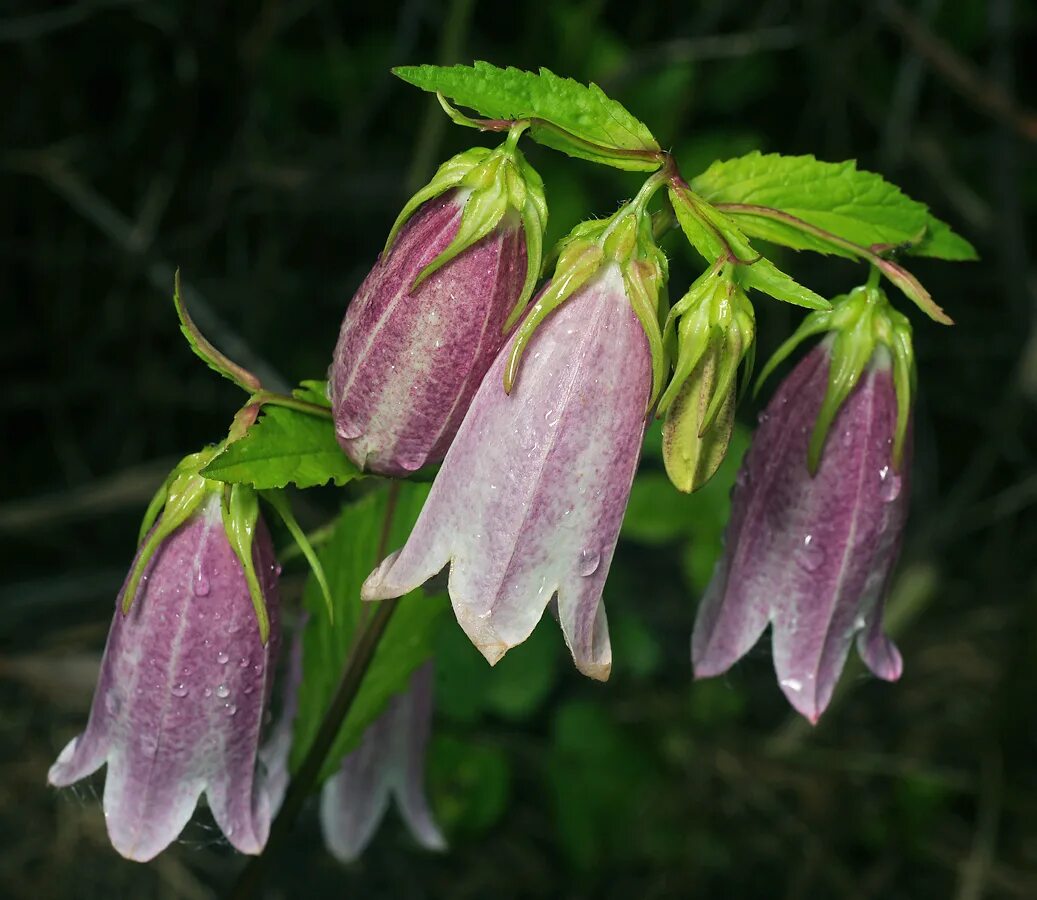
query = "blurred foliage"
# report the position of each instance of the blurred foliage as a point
(265, 149)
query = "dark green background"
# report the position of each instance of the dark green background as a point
(265, 149)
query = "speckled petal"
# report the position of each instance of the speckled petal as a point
(531, 495)
(180, 699)
(390, 760)
(407, 364)
(813, 556)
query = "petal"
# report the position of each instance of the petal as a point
(408, 363)
(413, 725)
(354, 800)
(532, 492)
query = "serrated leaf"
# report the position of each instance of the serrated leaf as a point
(347, 559)
(286, 446)
(593, 124)
(851, 203)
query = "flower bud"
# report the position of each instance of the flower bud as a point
(716, 332)
(183, 687)
(457, 270)
(812, 540)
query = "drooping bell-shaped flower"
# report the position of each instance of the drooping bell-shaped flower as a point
(184, 679)
(819, 509)
(459, 267)
(389, 762)
(529, 500)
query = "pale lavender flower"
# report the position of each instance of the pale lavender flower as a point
(812, 554)
(181, 695)
(409, 359)
(531, 495)
(389, 762)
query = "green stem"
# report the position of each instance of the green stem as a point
(271, 398)
(364, 646)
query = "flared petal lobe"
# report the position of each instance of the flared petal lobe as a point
(179, 703)
(390, 761)
(531, 495)
(812, 556)
(407, 363)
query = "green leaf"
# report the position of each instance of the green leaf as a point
(347, 558)
(315, 392)
(575, 118)
(286, 446)
(850, 203)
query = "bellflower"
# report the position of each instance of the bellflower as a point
(529, 500)
(459, 267)
(390, 761)
(184, 680)
(819, 509)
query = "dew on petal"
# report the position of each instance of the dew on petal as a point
(223, 692)
(207, 692)
(589, 561)
(201, 585)
(179, 689)
(222, 657)
(229, 709)
(792, 684)
(889, 488)
(810, 555)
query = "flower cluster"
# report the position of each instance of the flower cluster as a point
(537, 413)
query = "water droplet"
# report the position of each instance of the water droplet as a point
(179, 689)
(223, 692)
(207, 692)
(229, 709)
(233, 627)
(257, 668)
(889, 484)
(793, 684)
(222, 658)
(186, 670)
(847, 437)
(810, 555)
(201, 585)
(762, 417)
(243, 662)
(859, 623)
(248, 689)
(589, 561)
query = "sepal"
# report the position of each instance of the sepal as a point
(180, 495)
(240, 508)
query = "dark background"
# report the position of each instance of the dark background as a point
(265, 149)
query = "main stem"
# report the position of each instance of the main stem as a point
(363, 650)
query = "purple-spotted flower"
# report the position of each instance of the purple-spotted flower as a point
(389, 762)
(819, 509)
(184, 680)
(459, 267)
(530, 498)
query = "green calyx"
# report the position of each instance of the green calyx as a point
(240, 508)
(173, 504)
(498, 186)
(625, 240)
(860, 323)
(714, 328)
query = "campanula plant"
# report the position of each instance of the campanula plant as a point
(536, 413)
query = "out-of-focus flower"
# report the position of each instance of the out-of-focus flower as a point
(819, 509)
(184, 681)
(531, 495)
(459, 266)
(389, 762)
